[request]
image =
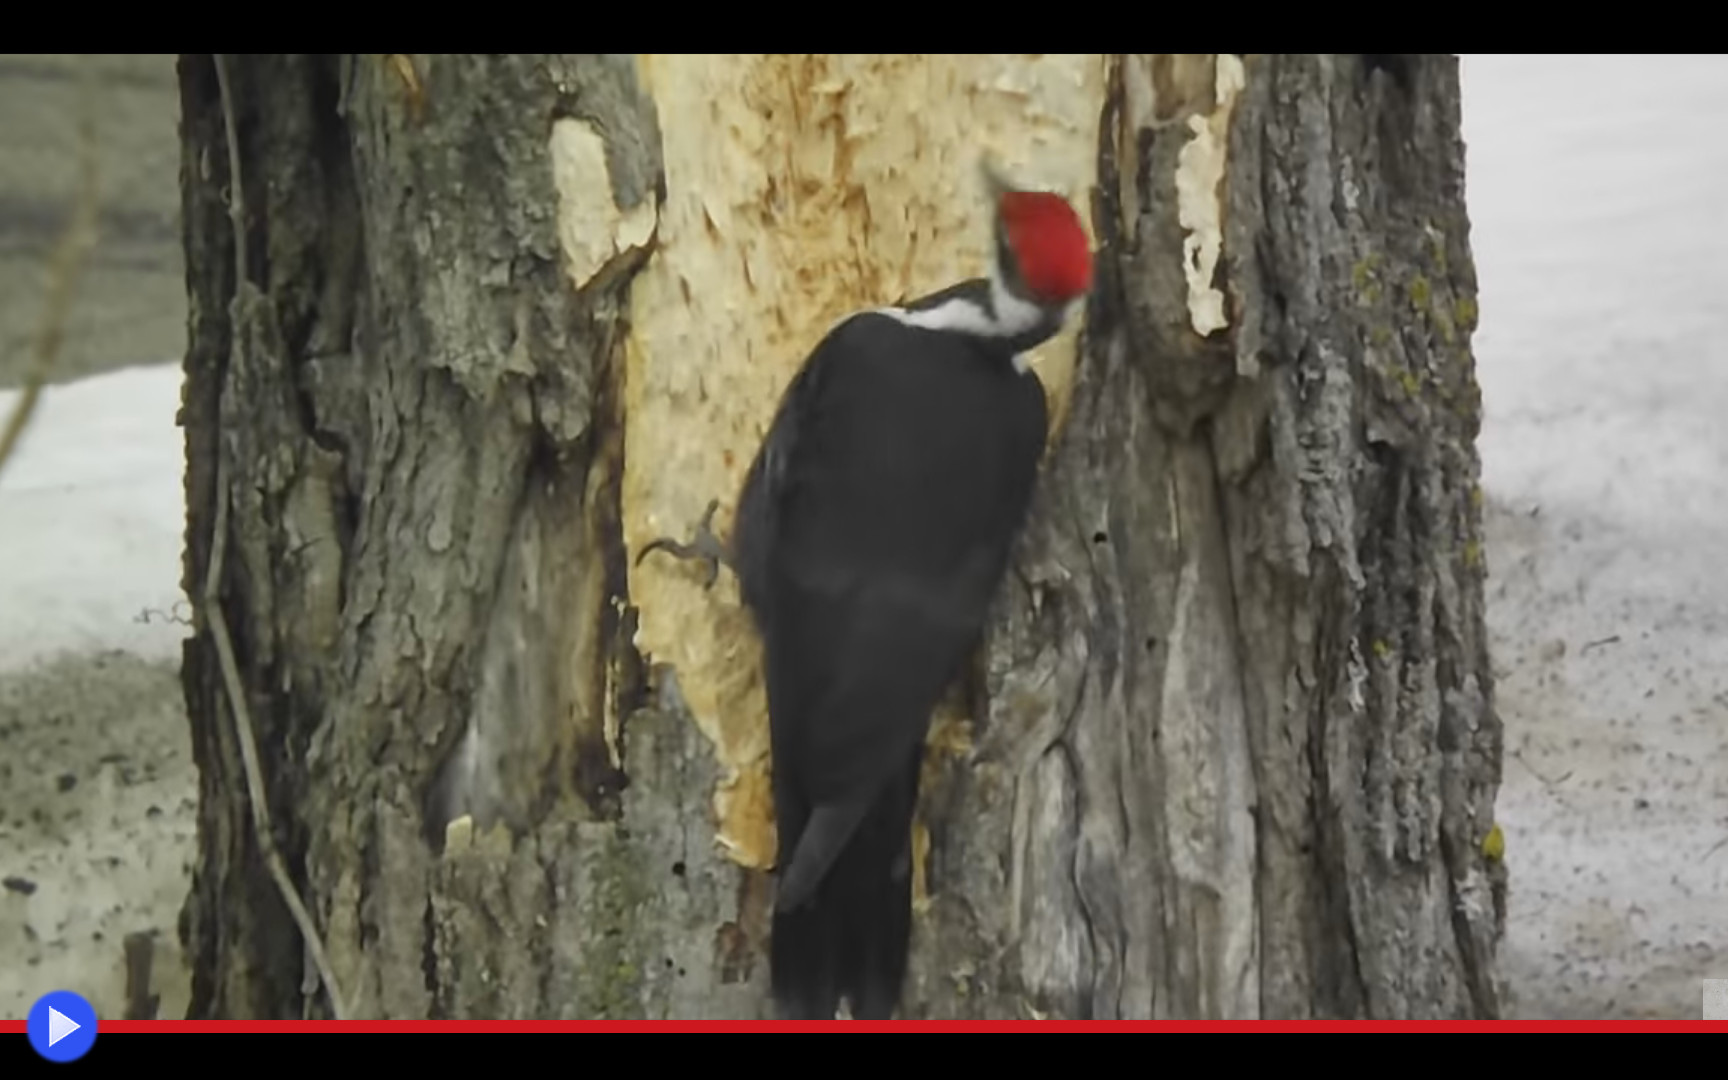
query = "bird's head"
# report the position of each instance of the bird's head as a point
(1042, 254)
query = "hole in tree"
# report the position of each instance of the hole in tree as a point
(1100, 537)
(678, 868)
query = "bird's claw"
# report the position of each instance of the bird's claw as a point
(703, 546)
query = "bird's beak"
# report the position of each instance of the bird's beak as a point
(995, 181)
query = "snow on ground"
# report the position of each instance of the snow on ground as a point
(97, 787)
(1602, 248)
(91, 521)
(1601, 242)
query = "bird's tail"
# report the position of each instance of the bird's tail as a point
(852, 938)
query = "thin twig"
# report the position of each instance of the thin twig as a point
(241, 312)
(65, 269)
(1547, 781)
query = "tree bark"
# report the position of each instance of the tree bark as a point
(1242, 750)
(1231, 750)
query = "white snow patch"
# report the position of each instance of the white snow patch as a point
(98, 792)
(1601, 243)
(92, 521)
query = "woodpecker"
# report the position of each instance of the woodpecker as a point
(872, 532)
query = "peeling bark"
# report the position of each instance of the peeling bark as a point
(427, 579)
(1233, 742)
(1239, 749)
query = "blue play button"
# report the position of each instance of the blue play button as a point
(62, 1026)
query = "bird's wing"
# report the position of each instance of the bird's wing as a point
(871, 654)
(883, 510)
(863, 663)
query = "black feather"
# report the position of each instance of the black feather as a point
(872, 533)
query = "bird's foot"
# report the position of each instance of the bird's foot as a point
(702, 546)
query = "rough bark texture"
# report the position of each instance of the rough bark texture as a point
(425, 563)
(1239, 749)
(1234, 748)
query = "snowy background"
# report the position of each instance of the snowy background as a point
(1601, 242)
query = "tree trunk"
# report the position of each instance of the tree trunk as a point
(1231, 750)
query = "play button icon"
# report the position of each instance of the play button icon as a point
(62, 1026)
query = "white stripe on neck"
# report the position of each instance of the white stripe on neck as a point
(1012, 316)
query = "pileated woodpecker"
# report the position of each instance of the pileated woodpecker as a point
(872, 532)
